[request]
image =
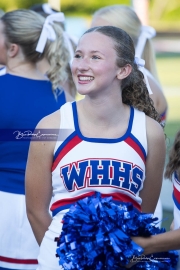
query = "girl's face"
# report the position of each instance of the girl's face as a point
(94, 66)
(3, 48)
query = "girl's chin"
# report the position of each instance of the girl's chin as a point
(83, 92)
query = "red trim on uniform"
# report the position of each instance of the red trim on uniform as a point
(18, 261)
(163, 115)
(70, 200)
(163, 118)
(136, 147)
(115, 196)
(68, 147)
(177, 194)
(120, 197)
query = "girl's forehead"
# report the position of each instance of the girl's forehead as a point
(96, 39)
(95, 42)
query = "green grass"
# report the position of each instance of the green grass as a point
(171, 128)
(169, 70)
(168, 67)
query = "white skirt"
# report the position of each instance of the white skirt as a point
(18, 246)
(47, 257)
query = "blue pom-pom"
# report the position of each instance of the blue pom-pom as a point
(96, 235)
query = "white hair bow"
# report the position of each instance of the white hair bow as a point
(48, 31)
(147, 32)
(141, 63)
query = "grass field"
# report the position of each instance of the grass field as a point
(169, 73)
(168, 67)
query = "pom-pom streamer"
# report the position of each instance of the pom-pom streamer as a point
(96, 235)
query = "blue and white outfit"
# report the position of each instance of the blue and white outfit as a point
(23, 103)
(82, 166)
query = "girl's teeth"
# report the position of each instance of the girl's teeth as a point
(85, 78)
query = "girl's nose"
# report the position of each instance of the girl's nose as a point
(83, 64)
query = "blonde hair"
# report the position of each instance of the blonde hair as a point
(23, 27)
(125, 18)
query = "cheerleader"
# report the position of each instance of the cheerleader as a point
(113, 141)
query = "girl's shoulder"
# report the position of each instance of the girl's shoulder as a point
(154, 130)
(50, 121)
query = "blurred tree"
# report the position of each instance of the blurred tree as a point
(89, 6)
(165, 9)
(8, 5)
(165, 15)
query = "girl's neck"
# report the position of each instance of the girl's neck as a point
(103, 119)
(22, 68)
(103, 112)
(25, 69)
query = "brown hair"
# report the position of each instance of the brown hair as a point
(174, 157)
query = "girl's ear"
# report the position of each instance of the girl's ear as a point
(124, 72)
(13, 50)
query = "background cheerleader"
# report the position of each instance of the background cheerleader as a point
(26, 95)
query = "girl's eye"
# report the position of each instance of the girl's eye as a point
(95, 57)
(77, 56)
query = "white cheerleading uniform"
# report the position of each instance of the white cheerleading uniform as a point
(83, 166)
(176, 199)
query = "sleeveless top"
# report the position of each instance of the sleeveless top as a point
(23, 103)
(83, 166)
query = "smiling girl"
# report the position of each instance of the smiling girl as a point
(116, 145)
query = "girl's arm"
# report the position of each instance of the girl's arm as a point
(160, 242)
(38, 181)
(154, 166)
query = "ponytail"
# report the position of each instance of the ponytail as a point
(135, 93)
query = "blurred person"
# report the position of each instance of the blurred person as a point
(125, 18)
(43, 9)
(169, 240)
(71, 42)
(26, 96)
(115, 146)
